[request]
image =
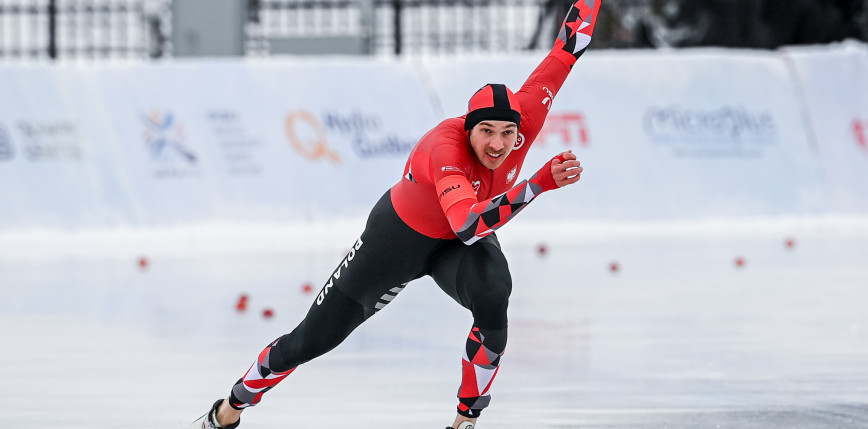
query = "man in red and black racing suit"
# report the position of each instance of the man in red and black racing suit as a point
(459, 185)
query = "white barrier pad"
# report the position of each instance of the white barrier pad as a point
(661, 134)
(205, 140)
(53, 164)
(834, 81)
(268, 139)
(701, 133)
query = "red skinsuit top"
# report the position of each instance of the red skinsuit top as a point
(447, 147)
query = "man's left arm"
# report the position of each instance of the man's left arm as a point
(538, 92)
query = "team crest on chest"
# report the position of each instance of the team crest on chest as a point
(475, 184)
(511, 175)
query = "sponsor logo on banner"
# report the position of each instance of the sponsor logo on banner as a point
(720, 132)
(165, 139)
(308, 137)
(238, 147)
(6, 151)
(860, 133)
(365, 134)
(569, 128)
(50, 140)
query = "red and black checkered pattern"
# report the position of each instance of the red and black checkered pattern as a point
(479, 365)
(259, 379)
(577, 29)
(488, 215)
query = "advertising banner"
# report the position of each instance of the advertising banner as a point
(664, 134)
(204, 140)
(53, 165)
(345, 128)
(661, 134)
(271, 140)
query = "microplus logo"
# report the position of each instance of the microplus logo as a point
(724, 131)
(726, 123)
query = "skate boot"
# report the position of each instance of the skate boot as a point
(209, 420)
(462, 425)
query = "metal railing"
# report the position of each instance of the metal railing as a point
(83, 30)
(405, 27)
(441, 27)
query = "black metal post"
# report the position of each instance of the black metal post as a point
(52, 29)
(396, 5)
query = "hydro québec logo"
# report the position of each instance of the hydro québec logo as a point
(369, 136)
(6, 150)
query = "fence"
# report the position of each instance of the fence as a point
(142, 29)
(409, 27)
(56, 29)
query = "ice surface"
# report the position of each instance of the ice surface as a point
(678, 337)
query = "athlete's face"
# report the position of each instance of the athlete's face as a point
(492, 141)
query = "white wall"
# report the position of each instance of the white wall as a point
(833, 88)
(663, 135)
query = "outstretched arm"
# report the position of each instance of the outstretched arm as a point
(471, 219)
(543, 84)
(576, 31)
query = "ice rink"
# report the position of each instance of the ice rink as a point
(678, 336)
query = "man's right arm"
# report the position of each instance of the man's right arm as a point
(471, 219)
